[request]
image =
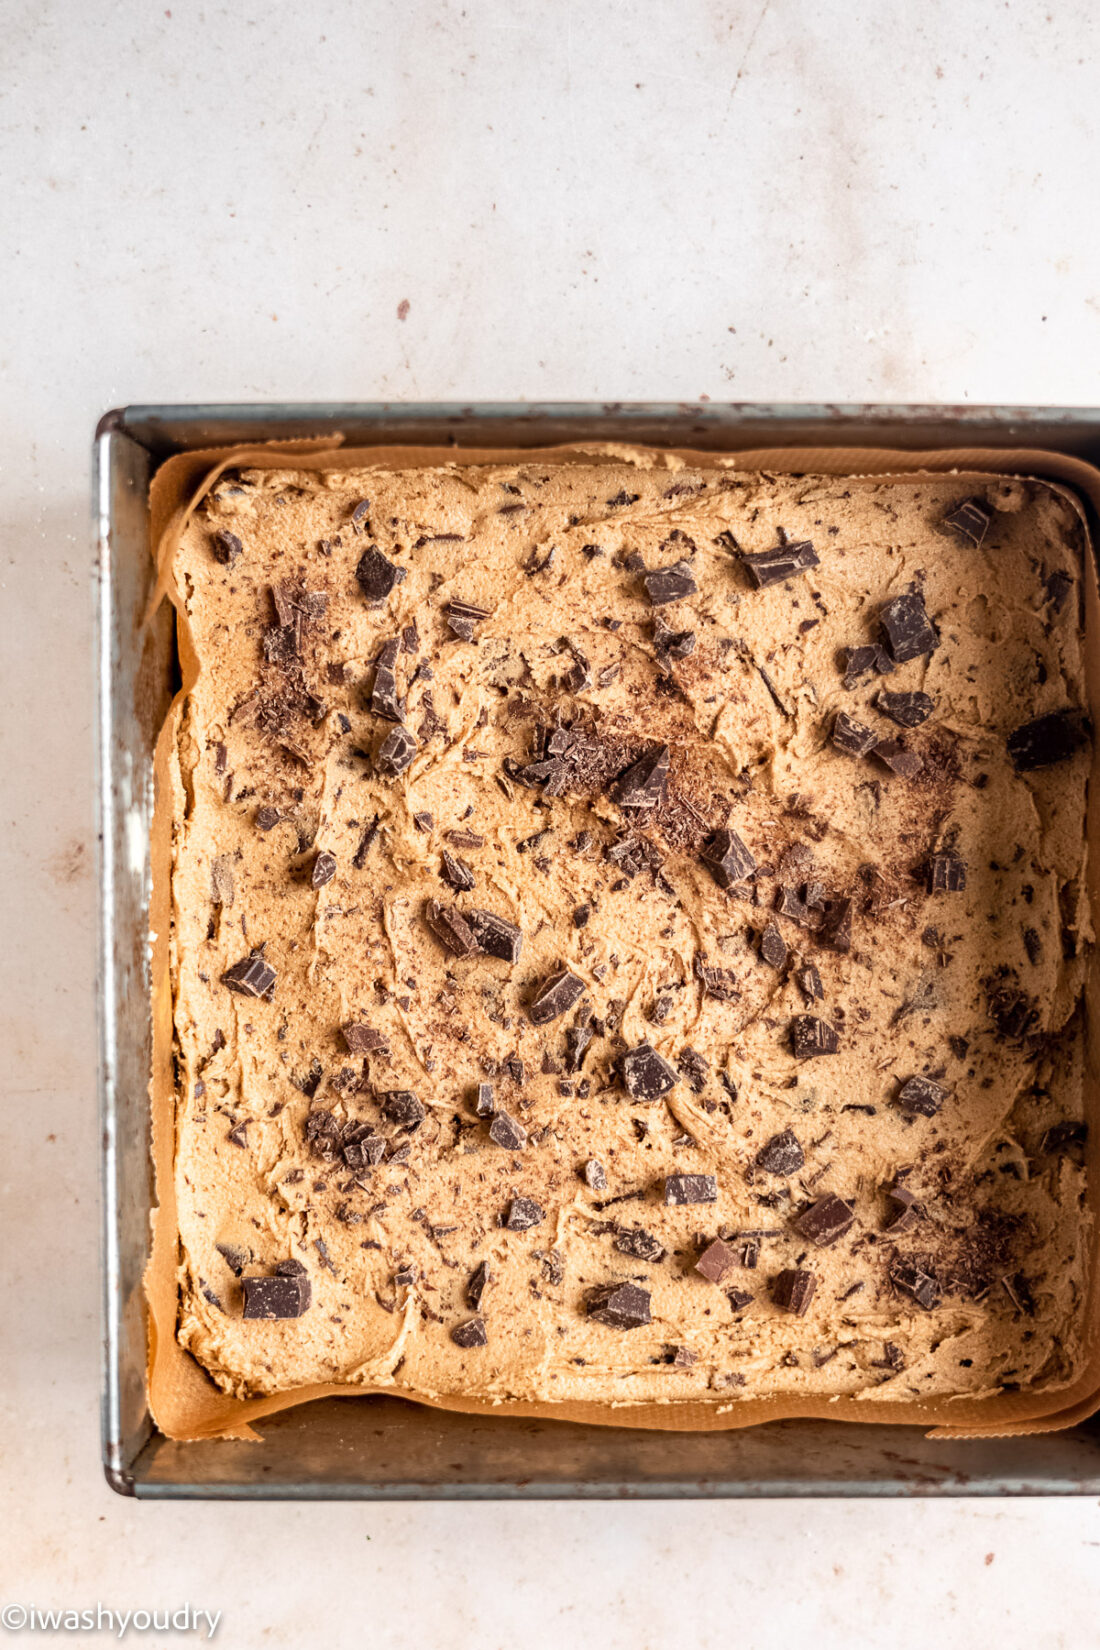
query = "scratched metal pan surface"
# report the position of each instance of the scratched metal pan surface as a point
(385, 1448)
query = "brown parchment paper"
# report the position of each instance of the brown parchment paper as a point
(185, 1403)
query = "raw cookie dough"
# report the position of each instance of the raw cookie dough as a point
(613, 962)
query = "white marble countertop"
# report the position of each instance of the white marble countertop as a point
(414, 199)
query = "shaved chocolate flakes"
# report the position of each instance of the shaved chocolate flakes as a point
(397, 751)
(476, 1284)
(643, 783)
(376, 575)
(774, 566)
(1049, 739)
(921, 1096)
(252, 976)
(970, 520)
(908, 710)
(773, 947)
(690, 1188)
(908, 629)
(646, 1074)
(781, 1155)
(496, 936)
(639, 1244)
(280, 1296)
(727, 858)
(618, 1305)
(470, 1334)
(851, 736)
(324, 869)
(522, 1214)
(861, 661)
(793, 1290)
(825, 1221)
(554, 997)
(670, 584)
(811, 1036)
(450, 927)
(506, 1132)
(717, 1259)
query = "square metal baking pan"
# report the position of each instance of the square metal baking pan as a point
(378, 1448)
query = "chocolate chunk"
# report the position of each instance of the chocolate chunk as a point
(1063, 1137)
(825, 1221)
(470, 1334)
(671, 646)
(324, 869)
(693, 1068)
(581, 914)
(908, 710)
(234, 1256)
(461, 838)
(647, 1074)
(738, 1299)
(906, 1211)
(252, 976)
(791, 904)
(505, 1131)
(462, 617)
(811, 1036)
(267, 818)
(921, 1096)
(485, 1104)
(851, 736)
(716, 1260)
(971, 520)
(363, 1039)
(457, 873)
(475, 1285)
(670, 584)
(1058, 586)
(385, 699)
(907, 764)
(397, 751)
(909, 631)
(1048, 739)
(376, 575)
(782, 1154)
(577, 1039)
(595, 1175)
(623, 497)
(1019, 1293)
(1013, 1013)
(496, 936)
(773, 947)
(523, 1213)
(618, 1305)
(690, 1188)
(835, 931)
(1033, 944)
(402, 1107)
(226, 547)
(555, 997)
(639, 1244)
(921, 1285)
(643, 784)
(276, 1297)
(449, 926)
(946, 872)
(793, 1290)
(727, 858)
(860, 661)
(360, 512)
(808, 981)
(366, 841)
(365, 1151)
(773, 566)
